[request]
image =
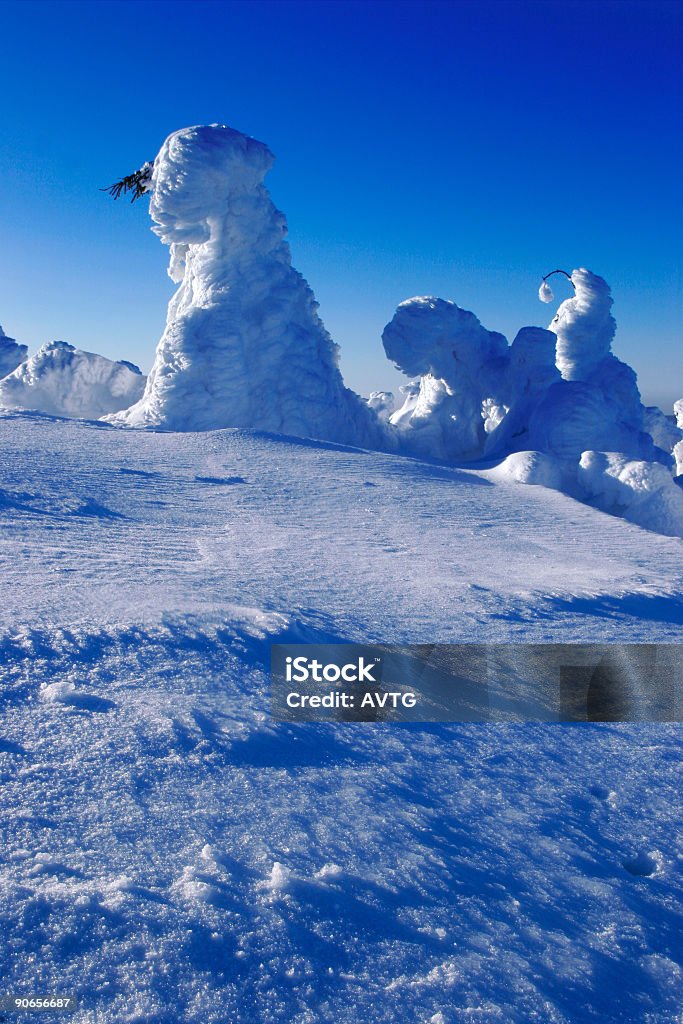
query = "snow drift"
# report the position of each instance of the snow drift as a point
(61, 380)
(11, 354)
(643, 492)
(243, 344)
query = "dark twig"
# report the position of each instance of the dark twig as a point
(136, 183)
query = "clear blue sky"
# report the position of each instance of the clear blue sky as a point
(455, 149)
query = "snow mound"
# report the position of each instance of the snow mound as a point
(11, 354)
(461, 367)
(643, 492)
(61, 380)
(529, 468)
(243, 344)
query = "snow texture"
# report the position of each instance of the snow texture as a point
(461, 366)
(545, 293)
(530, 468)
(678, 413)
(678, 448)
(64, 381)
(11, 354)
(530, 373)
(643, 492)
(171, 854)
(584, 326)
(243, 344)
(662, 429)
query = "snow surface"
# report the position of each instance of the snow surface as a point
(11, 354)
(243, 344)
(64, 381)
(643, 491)
(173, 855)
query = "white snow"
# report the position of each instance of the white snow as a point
(678, 448)
(643, 492)
(584, 326)
(560, 393)
(460, 365)
(243, 344)
(11, 354)
(529, 468)
(662, 429)
(545, 293)
(64, 381)
(169, 853)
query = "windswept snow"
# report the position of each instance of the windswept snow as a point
(169, 853)
(243, 345)
(645, 492)
(64, 381)
(11, 354)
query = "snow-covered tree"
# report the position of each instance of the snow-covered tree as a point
(243, 344)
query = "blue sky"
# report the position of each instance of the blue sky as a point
(455, 149)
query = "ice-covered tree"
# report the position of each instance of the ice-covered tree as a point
(462, 368)
(243, 345)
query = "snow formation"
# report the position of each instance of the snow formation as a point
(678, 447)
(584, 326)
(560, 392)
(61, 380)
(644, 492)
(461, 367)
(11, 354)
(243, 344)
(662, 428)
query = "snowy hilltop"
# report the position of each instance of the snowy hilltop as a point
(61, 380)
(243, 344)
(173, 855)
(11, 354)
